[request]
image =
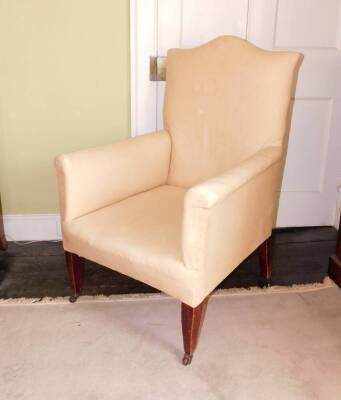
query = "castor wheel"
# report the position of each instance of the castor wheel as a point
(187, 359)
(264, 283)
(73, 299)
(267, 282)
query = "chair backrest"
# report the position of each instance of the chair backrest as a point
(224, 101)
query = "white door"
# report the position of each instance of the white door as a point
(313, 170)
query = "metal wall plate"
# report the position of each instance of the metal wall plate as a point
(157, 69)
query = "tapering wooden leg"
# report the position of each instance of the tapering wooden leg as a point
(75, 266)
(334, 269)
(192, 319)
(264, 251)
(3, 242)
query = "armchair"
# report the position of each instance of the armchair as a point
(181, 208)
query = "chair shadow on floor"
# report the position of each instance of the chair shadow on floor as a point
(150, 325)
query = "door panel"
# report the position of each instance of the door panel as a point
(311, 175)
(313, 24)
(305, 169)
(201, 23)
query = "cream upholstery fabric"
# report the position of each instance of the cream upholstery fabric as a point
(180, 209)
(224, 101)
(95, 178)
(222, 226)
(139, 236)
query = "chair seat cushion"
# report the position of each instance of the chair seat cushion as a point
(139, 237)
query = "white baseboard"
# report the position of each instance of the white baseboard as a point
(32, 227)
(47, 226)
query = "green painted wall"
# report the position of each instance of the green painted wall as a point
(64, 85)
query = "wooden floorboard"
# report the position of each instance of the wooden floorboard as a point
(300, 255)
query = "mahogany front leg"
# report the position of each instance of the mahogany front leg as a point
(192, 319)
(264, 251)
(75, 266)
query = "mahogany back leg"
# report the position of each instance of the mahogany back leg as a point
(192, 319)
(334, 269)
(75, 267)
(3, 242)
(264, 251)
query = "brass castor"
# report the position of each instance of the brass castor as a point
(264, 283)
(73, 299)
(187, 359)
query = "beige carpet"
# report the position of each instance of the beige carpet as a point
(257, 346)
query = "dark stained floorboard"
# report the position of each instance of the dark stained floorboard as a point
(300, 255)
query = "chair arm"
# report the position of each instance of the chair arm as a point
(214, 190)
(94, 178)
(228, 217)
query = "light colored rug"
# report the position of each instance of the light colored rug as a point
(265, 345)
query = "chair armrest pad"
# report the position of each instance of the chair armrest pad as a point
(94, 178)
(214, 190)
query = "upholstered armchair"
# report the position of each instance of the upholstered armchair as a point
(181, 208)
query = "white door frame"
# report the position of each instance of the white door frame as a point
(143, 41)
